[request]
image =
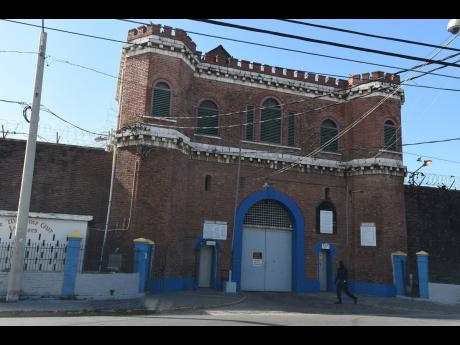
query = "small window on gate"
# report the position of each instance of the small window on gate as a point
(207, 183)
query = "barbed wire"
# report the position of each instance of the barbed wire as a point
(433, 180)
(11, 129)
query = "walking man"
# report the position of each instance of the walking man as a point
(341, 280)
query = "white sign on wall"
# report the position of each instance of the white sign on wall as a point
(45, 228)
(368, 235)
(215, 230)
(326, 222)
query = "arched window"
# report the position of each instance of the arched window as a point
(208, 118)
(270, 127)
(328, 131)
(326, 219)
(161, 100)
(390, 137)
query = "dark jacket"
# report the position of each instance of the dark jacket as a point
(342, 274)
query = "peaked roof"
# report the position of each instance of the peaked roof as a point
(219, 51)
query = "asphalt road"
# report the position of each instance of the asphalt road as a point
(273, 309)
(231, 318)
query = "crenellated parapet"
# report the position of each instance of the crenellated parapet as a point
(359, 79)
(162, 31)
(168, 40)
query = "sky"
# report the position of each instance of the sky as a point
(87, 98)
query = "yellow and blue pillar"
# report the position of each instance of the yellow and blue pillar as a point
(142, 260)
(399, 264)
(423, 279)
(71, 264)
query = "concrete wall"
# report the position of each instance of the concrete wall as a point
(444, 293)
(36, 284)
(99, 285)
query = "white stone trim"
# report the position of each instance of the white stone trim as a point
(207, 136)
(330, 153)
(158, 118)
(271, 145)
(175, 54)
(391, 152)
(60, 216)
(363, 162)
(266, 87)
(260, 155)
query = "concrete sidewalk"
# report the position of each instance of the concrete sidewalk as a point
(149, 304)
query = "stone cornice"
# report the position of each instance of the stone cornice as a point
(152, 136)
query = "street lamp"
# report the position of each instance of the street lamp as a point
(426, 163)
(453, 26)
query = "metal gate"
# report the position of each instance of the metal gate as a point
(267, 248)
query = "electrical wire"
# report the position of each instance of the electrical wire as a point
(431, 142)
(46, 109)
(369, 35)
(339, 135)
(67, 31)
(336, 44)
(224, 38)
(301, 52)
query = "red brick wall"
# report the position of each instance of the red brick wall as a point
(67, 179)
(188, 90)
(433, 224)
(170, 203)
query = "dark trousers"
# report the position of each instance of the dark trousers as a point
(343, 285)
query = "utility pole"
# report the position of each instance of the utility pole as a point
(17, 259)
(230, 286)
(109, 207)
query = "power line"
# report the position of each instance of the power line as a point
(73, 125)
(46, 109)
(17, 51)
(355, 123)
(437, 158)
(301, 113)
(369, 35)
(341, 45)
(431, 142)
(15, 102)
(67, 31)
(230, 39)
(49, 111)
(303, 52)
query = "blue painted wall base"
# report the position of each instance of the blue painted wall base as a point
(308, 286)
(171, 284)
(378, 290)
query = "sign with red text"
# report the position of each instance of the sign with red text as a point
(44, 228)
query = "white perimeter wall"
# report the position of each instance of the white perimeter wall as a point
(98, 285)
(36, 284)
(88, 285)
(444, 293)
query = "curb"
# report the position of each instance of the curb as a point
(111, 312)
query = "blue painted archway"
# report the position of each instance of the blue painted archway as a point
(297, 238)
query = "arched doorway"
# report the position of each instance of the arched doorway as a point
(267, 248)
(289, 207)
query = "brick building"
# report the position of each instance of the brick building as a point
(182, 115)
